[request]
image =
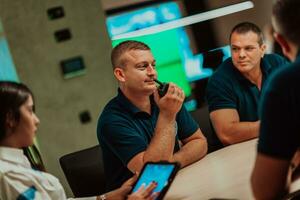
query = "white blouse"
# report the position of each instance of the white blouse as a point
(19, 180)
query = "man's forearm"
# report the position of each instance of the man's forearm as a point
(239, 132)
(191, 152)
(269, 177)
(162, 144)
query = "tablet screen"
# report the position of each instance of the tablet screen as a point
(160, 173)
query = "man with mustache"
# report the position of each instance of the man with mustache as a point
(138, 125)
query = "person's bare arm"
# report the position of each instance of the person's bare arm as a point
(269, 177)
(193, 149)
(162, 144)
(229, 129)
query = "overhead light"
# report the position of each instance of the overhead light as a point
(219, 12)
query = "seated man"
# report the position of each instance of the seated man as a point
(234, 90)
(279, 137)
(138, 125)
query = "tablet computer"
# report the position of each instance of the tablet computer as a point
(162, 173)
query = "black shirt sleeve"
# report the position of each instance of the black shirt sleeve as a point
(279, 132)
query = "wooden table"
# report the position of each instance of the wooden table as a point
(222, 174)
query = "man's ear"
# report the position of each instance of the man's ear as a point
(263, 49)
(119, 74)
(285, 46)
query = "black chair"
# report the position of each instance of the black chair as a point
(201, 116)
(84, 171)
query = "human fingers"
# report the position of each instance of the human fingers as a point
(156, 96)
(124, 190)
(175, 90)
(148, 191)
(141, 189)
(153, 196)
(179, 93)
(131, 181)
(171, 89)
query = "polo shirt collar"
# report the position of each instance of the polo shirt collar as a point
(130, 107)
(265, 67)
(298, 56)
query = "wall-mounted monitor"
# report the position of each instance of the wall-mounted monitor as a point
(72, 67)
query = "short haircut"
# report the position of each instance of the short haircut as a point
(123, 47)
(12, 97)
(287, 17)
(246, 27)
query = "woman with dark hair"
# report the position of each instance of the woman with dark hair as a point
(15, 96)
(20, 178)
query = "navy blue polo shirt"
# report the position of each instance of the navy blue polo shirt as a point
(228, 88)
(280, 113)
(124, 131)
